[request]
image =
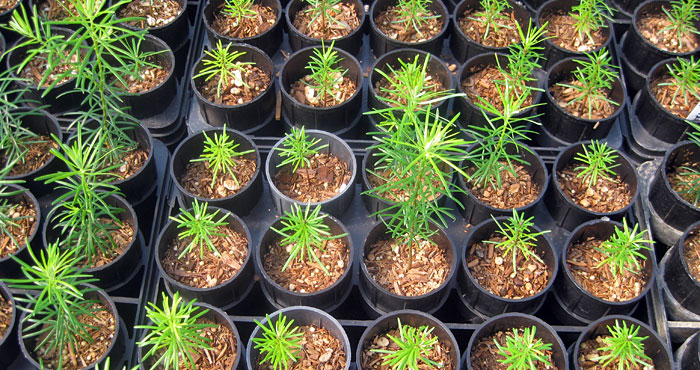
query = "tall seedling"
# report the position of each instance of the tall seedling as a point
(323, 12)
(590, 16)
(326, 73)
(595, 76)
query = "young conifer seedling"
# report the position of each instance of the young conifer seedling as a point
(174, 334)
(523, 58)
(519, 237)
(8, 220)
(690, 183)
(324, 65)
(221, 63)
(413, 14)
(324, 12)
(594, 77)
(297, 148)
(590, 16)
(597, 161)
(414, 345)
(492, 15)
(200, 226)
(239, 10)
(624, 346)
(682, 15)
(280, 343)
(686, 78)
(622, 250)
(220, 155)
(522, 351)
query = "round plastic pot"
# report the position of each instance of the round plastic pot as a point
(413, 318)
(382, 300)
(220, 318)
(508, 322)
(122, 268)
(241, 116)
(8, 339)
(625, 6)
(640, 53)
(634, 79)
(568, 214)
(688, 354)
(241, 203)
(469, 113)
(553, 53)
(382, 44)
(326, 299)
(675, 311)
(331, 119)
(475, 211)
(655, 119)
(669, 207)
(350, 43)
(578, 302)
(176, 33)
(114, 352)
(564, 125)
(268, 41)
(302, 316)
(227, 293)
(491, 304)
(462, 46)
(680, 281)
(8, 267)
(654, 346)
(336, 206)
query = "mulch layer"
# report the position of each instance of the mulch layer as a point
(156, 13)
(652, 26)
(588, 352)
(246, 27)
(320, 350)
(343, 89)
(24, 228)
(604, 196)
(515, 192)
(345, 21)
(563, 33)
(197, 179)
(475, 27)
(391, 24)
(485, 354)
(440, 353)
(326, 177)
(36, 155)
(565, 96)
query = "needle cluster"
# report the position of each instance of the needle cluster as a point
(297, 148)
(519, 237)
(522, 351)
(199, 226)
(597, 161)
(414, 345)
(623, 250)
(221, 63)
(625, 346)
(220, 153)
(682, 15)
(594, 78)
(280, 343)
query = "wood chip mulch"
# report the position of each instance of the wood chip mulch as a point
(226, 25)
(652, 23)
(148, 78)
(396, 195)
(563, 33)
(325, 178)
(156, 13)
(121, 235)
(604, 196)
(515, 192)
(485, 354)
(373, 360)
(235, 92)
(101, 327)
(393, 26)
(320, 351)
(675, 104)
(431, 84)
(691, 253)
(38, 66)
(197, 179)
(475, 27)
(583, 259)
(21, 232)
(55, 10)
(678, 174)
(493, 270)
(346, 21)
(130, 163)
(343, 89)
(5, 315)
(564, 97)
(588, 351)
(6, 5)
(36, 155)
(428, 269)
(481, 83)
(207, 270)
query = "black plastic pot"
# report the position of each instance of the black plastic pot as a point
(227, 293)
(331, 119)
(578, 302)
(462, 46)
(490, 304)
(382, 44)
(475, 211)
(688, 354)
(634, 78)
(664, 203)
(8, 339)
(381, 301)
(350, 43)
(192, 147)
(510, 321)
(680, 281)
(326, 299)
(675, 310)
(626, 6)
(268, 41)
(175, 33)
(242, 116)
(654, 346)
(302, 316)
(569, 214)
(8, 267)
(336, 206)
(553, 53)
(416, 319)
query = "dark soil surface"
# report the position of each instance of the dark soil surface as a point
(691, 250)
(149, 78)
(431, 84)
(345, 22)
(515, 192)
(673, 98)
(589, 351)
(485, 354)
(156, 13)
(226, 25)
(565, 95)
(374, 361)
(604, 196)
(652, 24)
(325, 178)
(197, 179)
(5, 5)
(395, 27)
(678, 175)
(242, 88)
(37, 154)
(344, 88)
(583, 259)
(475, 27)
(563, 33)
(320, 350)
(481, 83)
(24, 228)
(5, 315)
(38, 67)
(206, 270)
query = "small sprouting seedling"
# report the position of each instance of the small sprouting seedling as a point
(595, 76)
(492, 15)
(219, 153)
(201, 226)
(174, 334)
(280, 343)
(690, 182)
(414, 345)
(297, 148)
(306, 232)
(221, 63)
(519, 237)
(686, 78)
(325, 72)
(414, 13)
(324, 12)
(622, 250)
(521, 351)
(590, 16)
(598, 161)
(624, 346)
(523, 58)
(239, 9)
(682, 15)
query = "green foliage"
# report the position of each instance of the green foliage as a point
(523, 58)
(414, 346)
(598, 161)
(519, 237)
(325, 71)
(324, 12)
(522, 351)
(590, 16)
(624, 346)
(296, 149)
(239, 9)
(199, 225)
(7, 209)
(414, 13)
(221, 63)
(682, 15)
(280, 343)
(492, 15)
(174, 334)
(623, 249)
(219, 153)
(686, 78)
(691, 175)
(595, 76)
